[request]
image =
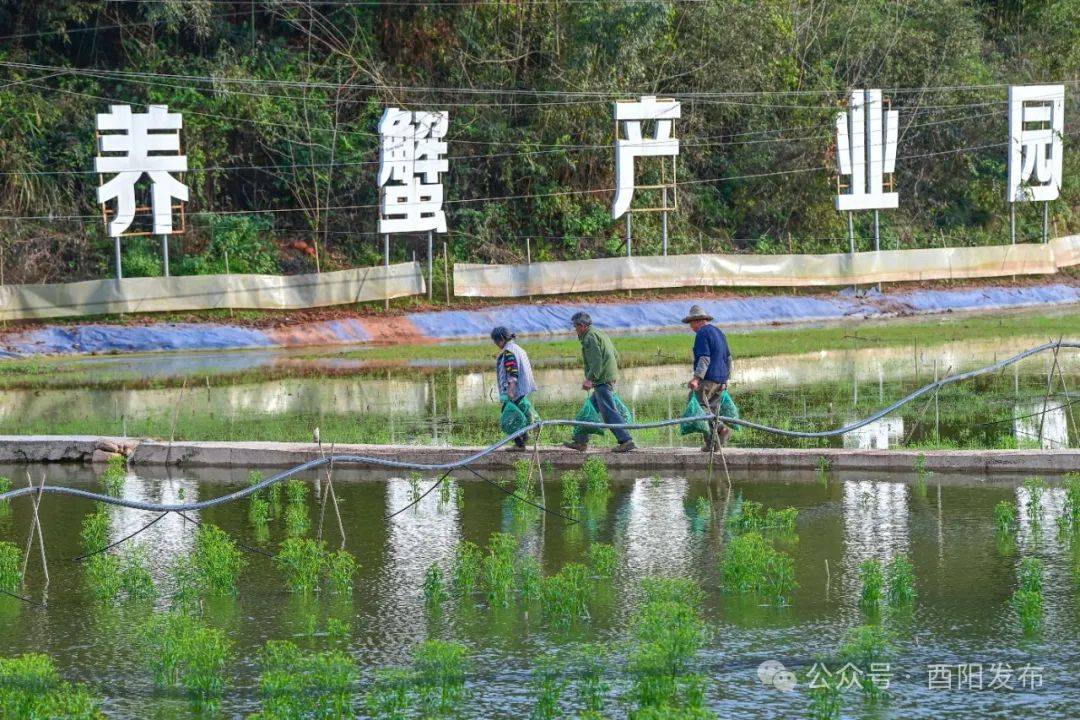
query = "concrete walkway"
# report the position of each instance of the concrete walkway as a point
(45, 449)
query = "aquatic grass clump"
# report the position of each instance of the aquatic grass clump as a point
(603, 559)
(440, 670)
(900, 581)
(103, 575)
(10, 566)
(136, 582)
(31, 687)
(5, 486)
(115, 475)
(530, 577)
(590, 668)
(873, 583)
(548, 682)
(181, 650)
(301, 559)
(571, 490)
(218, 559)
(95, 530)
(564, 596)
(388, 696)
(1027, 600)
(922, 475)
(824, 466)
(667, 635)
(865, 647)
(499, 568)
(752, 516)
(466, 568)
(297, 522)
(752, 565)
(434, 587)
(597, 477)
(1069, 520)
(259, 510)
(1035, 487)
(1005, 516)
(295, 684)
(702, 513)
(341, 569)
(671, 589)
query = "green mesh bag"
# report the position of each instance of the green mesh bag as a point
(694, 409)
(588, 413)
(728, 408)
(517, 415)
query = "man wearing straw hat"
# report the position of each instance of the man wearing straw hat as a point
(712, 365)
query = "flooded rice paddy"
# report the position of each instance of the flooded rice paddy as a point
(445, 403)
(965, 572)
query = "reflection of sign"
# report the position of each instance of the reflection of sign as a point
(878, 435)
(130, 140)
(1041, 424)
(631, 143)
(1036, 122)
(866, 152)
(412, 154)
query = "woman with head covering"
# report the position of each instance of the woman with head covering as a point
(516, 384)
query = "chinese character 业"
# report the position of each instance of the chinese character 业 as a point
(130, 134)
(412, 154)
(1036, 121)
(866, 151)
(629, 116)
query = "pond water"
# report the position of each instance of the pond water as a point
(964, 577)
(457, 405)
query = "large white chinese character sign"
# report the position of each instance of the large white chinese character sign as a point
(412, 154)
(631, 143)
(138, 143)
(1036, 122)
(866, 152)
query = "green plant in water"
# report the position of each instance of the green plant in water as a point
(530, 578)
(434, 587)
(31, 687)
(590, 667)
(702, 513)
(388, 697)
(295, 684)
(341, 568)
(188, 585)
(302, 560)
(671, 589)
(603, 559)
(571, 490)
(863, 647)
(900, 581)
(1005, 516)
(466, 571)
(826, 700)
(597, 477)
(565, 595)
(499, 568)
(181, 650)
(5, 486)
(1035, 487)
(95, 530)
(548, 683)
(103, 574)
(824, 466)
(873, 583)
(115, 475)
(922, 475)
(414, 486)
(297, 522)
(1069, 520)
(10, 567)
(1028, 598)
(136, 582)
(752, 565)
(752, 516)
(440, 669)
(218, 559)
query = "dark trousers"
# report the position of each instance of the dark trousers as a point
(603, 399)
(708, 394)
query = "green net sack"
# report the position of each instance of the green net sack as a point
(628, 417)
(512, 418)
(588, 413)
(693, 408)
(728, 408)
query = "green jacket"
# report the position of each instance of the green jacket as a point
(600, 357)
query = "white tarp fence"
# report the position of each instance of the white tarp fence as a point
(210, 292)
(671, 271)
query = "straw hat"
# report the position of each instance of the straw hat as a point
(697, 313)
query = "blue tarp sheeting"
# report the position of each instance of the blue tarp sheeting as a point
(135, 338)
(988, 298)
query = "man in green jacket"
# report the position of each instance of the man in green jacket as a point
(601, 371)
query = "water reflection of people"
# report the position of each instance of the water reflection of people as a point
(515, 377)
